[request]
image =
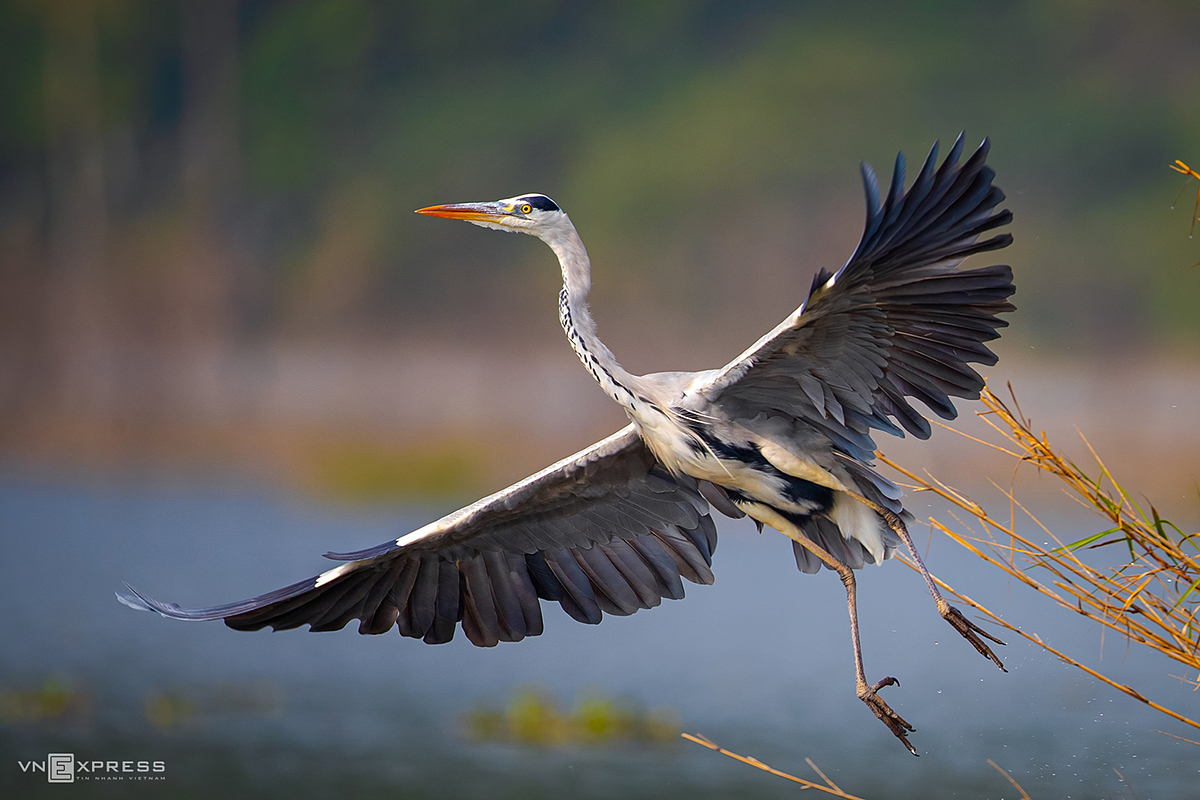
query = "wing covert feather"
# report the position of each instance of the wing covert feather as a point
(607, 530)
(897, 321)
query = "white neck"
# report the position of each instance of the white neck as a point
(577, 321)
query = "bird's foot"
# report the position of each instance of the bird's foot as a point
(971, 632)
(894, 722)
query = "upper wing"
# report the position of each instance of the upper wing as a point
(605, 530)
(897, 321)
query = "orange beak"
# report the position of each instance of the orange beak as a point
(472, 212)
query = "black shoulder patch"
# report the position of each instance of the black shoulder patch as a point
(541, 202)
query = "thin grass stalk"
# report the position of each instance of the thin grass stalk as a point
(996, 618)
(829, 787)
(1152, 597)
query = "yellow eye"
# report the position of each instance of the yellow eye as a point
(525, 209)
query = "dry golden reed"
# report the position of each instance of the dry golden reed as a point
(1151, 595)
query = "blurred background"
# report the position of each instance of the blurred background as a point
(224, 337)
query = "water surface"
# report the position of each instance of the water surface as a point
(759, 662)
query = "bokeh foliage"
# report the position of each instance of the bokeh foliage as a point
(703, 148)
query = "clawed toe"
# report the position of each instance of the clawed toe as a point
(971, 632)
(894, 722)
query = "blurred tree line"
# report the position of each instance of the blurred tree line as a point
(209, 175)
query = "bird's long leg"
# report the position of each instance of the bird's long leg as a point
(969, 630)
(868, 693)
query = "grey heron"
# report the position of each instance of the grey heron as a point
(782, 434)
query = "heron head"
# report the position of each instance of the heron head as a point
(526, 213)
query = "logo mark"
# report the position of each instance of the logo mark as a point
(65, 768)
(60, 767)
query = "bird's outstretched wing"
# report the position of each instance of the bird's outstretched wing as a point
(898, 321)
(606, 530)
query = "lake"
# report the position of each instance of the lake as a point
(760, 662)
